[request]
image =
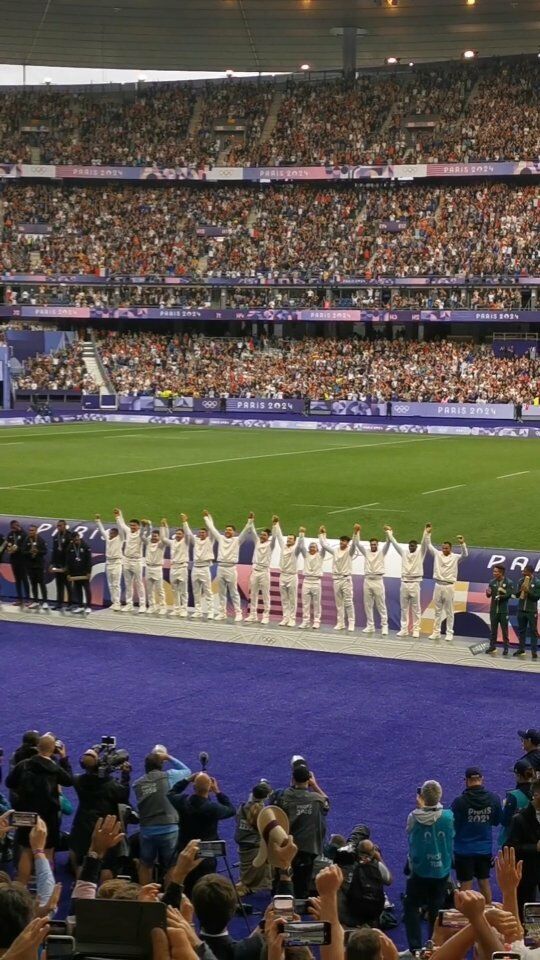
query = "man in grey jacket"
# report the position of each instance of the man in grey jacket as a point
(306, 806)
(159, 819)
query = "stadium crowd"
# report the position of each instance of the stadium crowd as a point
(64, 370)
(479, 111)
(315, 368)
(299, 230)
(285, 848)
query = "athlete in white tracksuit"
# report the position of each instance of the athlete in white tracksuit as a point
(201, 579)
(342, 558)
(412, 574)
(259, 581)
(445, 574)
(311, 583)
(288, 578)
(155, 554)
(134, 540)
(374, 594)
(228, 544)
(114, 541)
(178, 572)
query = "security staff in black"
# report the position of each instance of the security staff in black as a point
(14, 549)
(60, 542)
(525, 838)
(499, 591)
(528, 594)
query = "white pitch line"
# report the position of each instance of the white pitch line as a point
(324, 506)
(504, 476)
(205, 463)
(361, 506)
(439, 489)
(66, 432)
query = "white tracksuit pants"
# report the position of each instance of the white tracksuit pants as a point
(155, 588)
(443, 601)
(288, 588)
(409, 600)
(343, 595)
(227, 581)
(133, 581)
(201, 581)
(259, 583)
(114, 580)
(374, 596)
(311, 598)
(179, 584)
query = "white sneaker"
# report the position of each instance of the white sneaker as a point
(148, 610)
(449, 637)
(350, 628)
(368, 630)
(115, 607)
(33, 605)
(384, 631)
(284, 622)
(416, 634)
(219, 616)
(87, 610)
(162, 611)
(251, 618)
(238, 618)
(212, 616)
(402, 633)
(266, 618)
(182, 613)
(434, 636)
(303, 625)
(292, 622)
(316, 625)
(196, 615)
(45, 605)
(127, 608)
(339, 626)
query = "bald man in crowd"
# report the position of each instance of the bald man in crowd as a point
(199, 818)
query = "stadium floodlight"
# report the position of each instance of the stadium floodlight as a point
(469, 54)
(470, 3)
(392, 60)
(229, 73)
(305, 66)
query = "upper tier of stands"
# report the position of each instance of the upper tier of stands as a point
(452, 112)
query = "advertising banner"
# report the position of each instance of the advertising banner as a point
(471, 604)
(270, 279)
(270, 315)
(264, 405)
(466, 411)
(381, 171)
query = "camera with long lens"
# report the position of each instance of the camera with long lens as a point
(346, 856)
(204, 759)
(110, 757)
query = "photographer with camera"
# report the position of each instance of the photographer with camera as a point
(158, 816)
(99, 795)
(362, 895)
(199, 817)
(306, 806)
(36, 782)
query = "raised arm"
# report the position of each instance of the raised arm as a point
(301, 549)
(212, 530)
(324, 542)
(429, 548)
(120, 522)
(188, 533)
(392, 540)
(164, 533)
(463, 545)
(101, 528)
(245, 533)
(276, 532)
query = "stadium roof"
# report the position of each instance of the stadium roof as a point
(258, 35)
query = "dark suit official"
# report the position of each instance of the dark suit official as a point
(199, 818)
(14, 548)
(34, 551)
(60, 542)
